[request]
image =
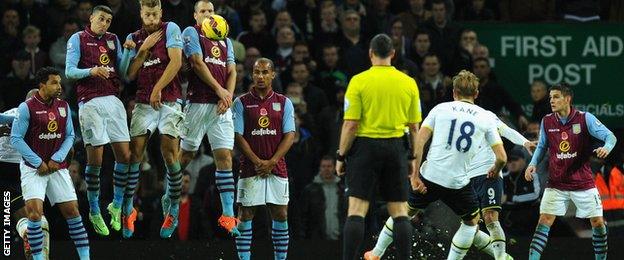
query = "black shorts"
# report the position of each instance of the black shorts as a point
(372, 162)
(489, 191)
(462, 201)
(10, 181)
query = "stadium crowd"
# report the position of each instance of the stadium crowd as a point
(317, 46)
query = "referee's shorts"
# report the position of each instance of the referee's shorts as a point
(377, 164)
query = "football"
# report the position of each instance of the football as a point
(215, 27)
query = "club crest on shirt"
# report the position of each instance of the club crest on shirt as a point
(110, 44)
(576, 128)
(277, 107)
(62, 112)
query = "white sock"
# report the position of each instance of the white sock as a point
(462, 241)
(483, 242)
(45, 228)
(21, 227)
(498, 239)
(385, 238)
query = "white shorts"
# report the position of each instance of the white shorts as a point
(103, 120)
(202, 119)
(167, 119)
(57, 186)
(587, 202)
(254, 191)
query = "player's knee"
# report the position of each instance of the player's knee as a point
(490, 216)
(280, 215)
(547, 220)
(597, 221)
(34, 215)
(124, 157)
(186, 157)
(246, 214)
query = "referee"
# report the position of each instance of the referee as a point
(379, 104)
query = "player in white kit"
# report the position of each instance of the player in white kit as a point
(457, 129)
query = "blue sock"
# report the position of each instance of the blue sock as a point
(92, 176)
(225, 184)
(133, 180)
(78, 233)
(600, 242)
(280, 237)
(35, 239)
(174, 182)
(120, 178)
(539, 242)
(243, 242)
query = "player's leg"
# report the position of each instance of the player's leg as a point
(554, 203)
(490, 200)
(92, 177)
(77, 232)
(34, 191)
(464, 203)
(277, 197)
(353, 233)
(243, 242)
(169, 146)
(589, 205)
(117, 130)
(220, 132)
(61, 191)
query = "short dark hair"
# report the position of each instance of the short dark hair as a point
(42, 75)
(481, 59)
(266, 60)
(298, 63)
(197, 3)
(382, 45)
(327, 158)
(565, 89)
(301, 43)
(102, 8)
(437, 2)
(71, 21)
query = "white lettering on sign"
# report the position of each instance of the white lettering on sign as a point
(555, 73)
(532, 46)
(604, 46)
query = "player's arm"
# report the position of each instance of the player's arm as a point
(288, 128)
(352, 115)
(414, 117)
(136, 59)
(601, 132)
(6, 119)
(123, 60)
(60, 155)
(239, 128)
(230, 83)
(72, 58)
(542, 146)
(193, 52)
(496, 143)
(512, 135)
(174, 51)
(18, 131)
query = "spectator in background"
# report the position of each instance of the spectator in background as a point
(189, 220)
(379, 17)
(179, 12)
(353, 45)
(127, 17)
(403, 47)
(480, 51)
(294, 92)
(301, 53)
(421, 47)
(434, 81)
(257, 36)
(330, 75)
(302, 157)
(232, 17)
(412, 18)
(493, 96)
(330, 122)
(241, 86)
(283, 19)
(57, 13)
(313, 96)
(400, 62)
(541, 101)
(58, 50)
(31, 36)
(285, 43)
(527, 11)
(79, 183)
(444, 35)
(83, 12)
(15, 85)
(327, 31)
(34, 13)
(463, 55)
(323, 204)
(356, 6)
(476, 12)
(9, 39)
(521, 198)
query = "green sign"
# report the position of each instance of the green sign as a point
(590, 57)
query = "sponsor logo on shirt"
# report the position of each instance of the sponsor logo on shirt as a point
(49, 136)
(563, 156)
(263, 131)
(104, 60)
(264, 121)
(564, 146)
(216, 52)
(553, 130)
(214, 61)
(148, 63)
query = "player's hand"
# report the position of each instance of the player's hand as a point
(528, 173)
(225, 96)
(98, 71)
(530, 146)
(53, 166)
(221, 107)
(155, 99)
(151, 40)
(418, 185)
(43, 169)
(340, 168)
(129, 44)
(493, 173)
(265, 167)
(5, 130)
(601, 152)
